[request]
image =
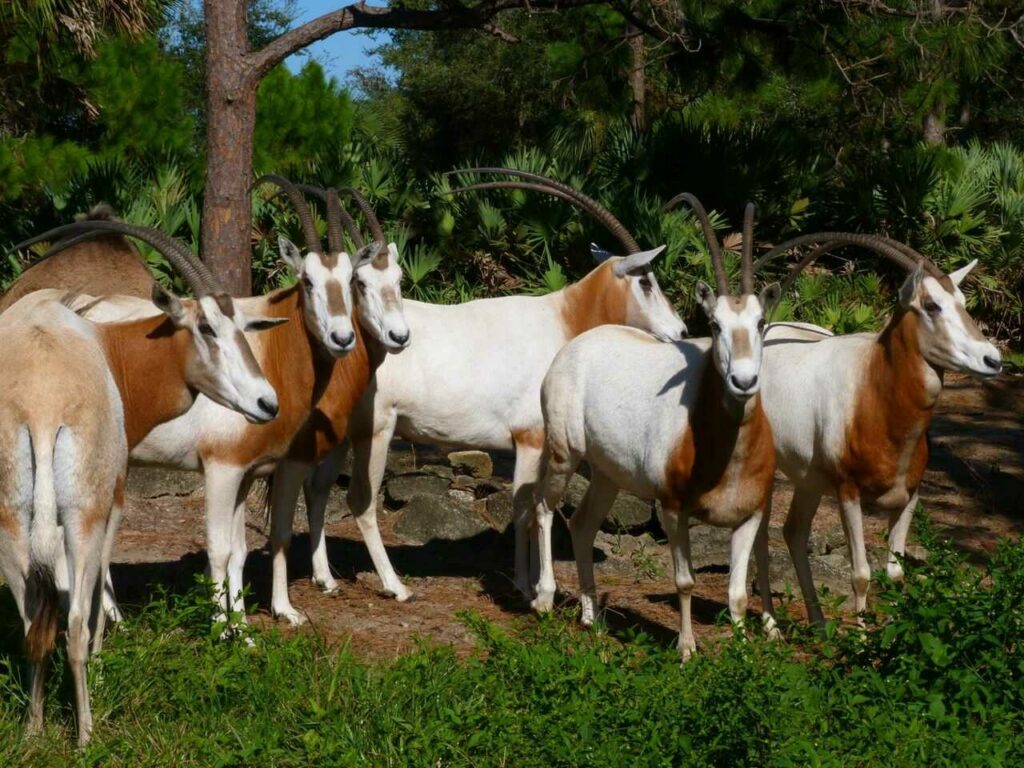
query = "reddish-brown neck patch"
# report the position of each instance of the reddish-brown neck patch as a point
(723, 464)
(885, 440)
(600, 298)
(328, 423)
(147, 358)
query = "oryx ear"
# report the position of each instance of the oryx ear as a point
(290, 253)
(705, 297)
(170, 305)
(909, 288)
(770, 296)
(637, 261)
(367, 253)
(263, 323)
(599, 254)
(958, 276)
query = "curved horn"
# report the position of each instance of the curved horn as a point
(579, 199)
(301, 208)
(371, 218)
(335, 215)
(747, 278)
(194, 271)
(882, 246)
(714, 247)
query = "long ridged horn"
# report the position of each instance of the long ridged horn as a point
(337, 217)
(747, 277)
(881, 246)
(194, 271)
(298, 202)
(714, 247)
(371, 218)
(580, 199)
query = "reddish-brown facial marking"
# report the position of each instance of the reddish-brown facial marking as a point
(600, 298)
(335, 298)
(890, 418)
(741, 343)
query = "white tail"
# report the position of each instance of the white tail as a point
(45, 537)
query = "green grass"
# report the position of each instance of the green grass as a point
(936, 679)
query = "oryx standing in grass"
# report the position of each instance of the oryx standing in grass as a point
(75, 397)
(850, 413)
(681, 423)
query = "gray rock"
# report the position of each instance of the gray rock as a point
(627, 514)
(154, 482)
(426, 518)
(437, 470)
(472, 463)
(498, 509)
(710, 546)
(399, 491)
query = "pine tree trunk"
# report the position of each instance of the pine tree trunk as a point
(637, 82)
(231, 123)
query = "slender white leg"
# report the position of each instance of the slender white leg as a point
(584, 525)
(287, 482)
(557, 471)
(105, 588)
(853, 525)
(524, 489)
(318, 488)
(369, 459)
(223, 482)
(797, 531)
(764, 582)
(677, 528)
(239, 551)
(85, 558)
(743, 537)
(899, 527)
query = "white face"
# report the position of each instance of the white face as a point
(737, 330)
(326, 285)
(222, 365)
(949, 338)
(378, 282)
(647, 307)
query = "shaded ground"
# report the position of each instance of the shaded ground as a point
(973, 490)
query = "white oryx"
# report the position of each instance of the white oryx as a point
(299, 359)
(472, 380)
(853, 423)
(681, 423)
(74, 397)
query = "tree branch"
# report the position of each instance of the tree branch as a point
(362, 16)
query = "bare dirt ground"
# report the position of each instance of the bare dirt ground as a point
(973, 491)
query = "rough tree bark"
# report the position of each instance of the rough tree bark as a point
(233, 75)
(637, 82)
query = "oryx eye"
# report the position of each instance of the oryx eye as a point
(206, 329)
(931, 307)
(715, 327)
(307, 283)
(760, 325)
(646, 284)
(361, 285)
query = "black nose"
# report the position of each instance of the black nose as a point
(398, 338)
(269, 408)
(743, 385)
(342, 342)
(994, 363)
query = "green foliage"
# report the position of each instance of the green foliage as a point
(937, 678)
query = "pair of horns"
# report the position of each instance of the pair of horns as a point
(538, 183)
(187, 264)
(337, 216)
(715, 247)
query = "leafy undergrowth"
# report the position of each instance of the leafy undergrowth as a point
(937, 678)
